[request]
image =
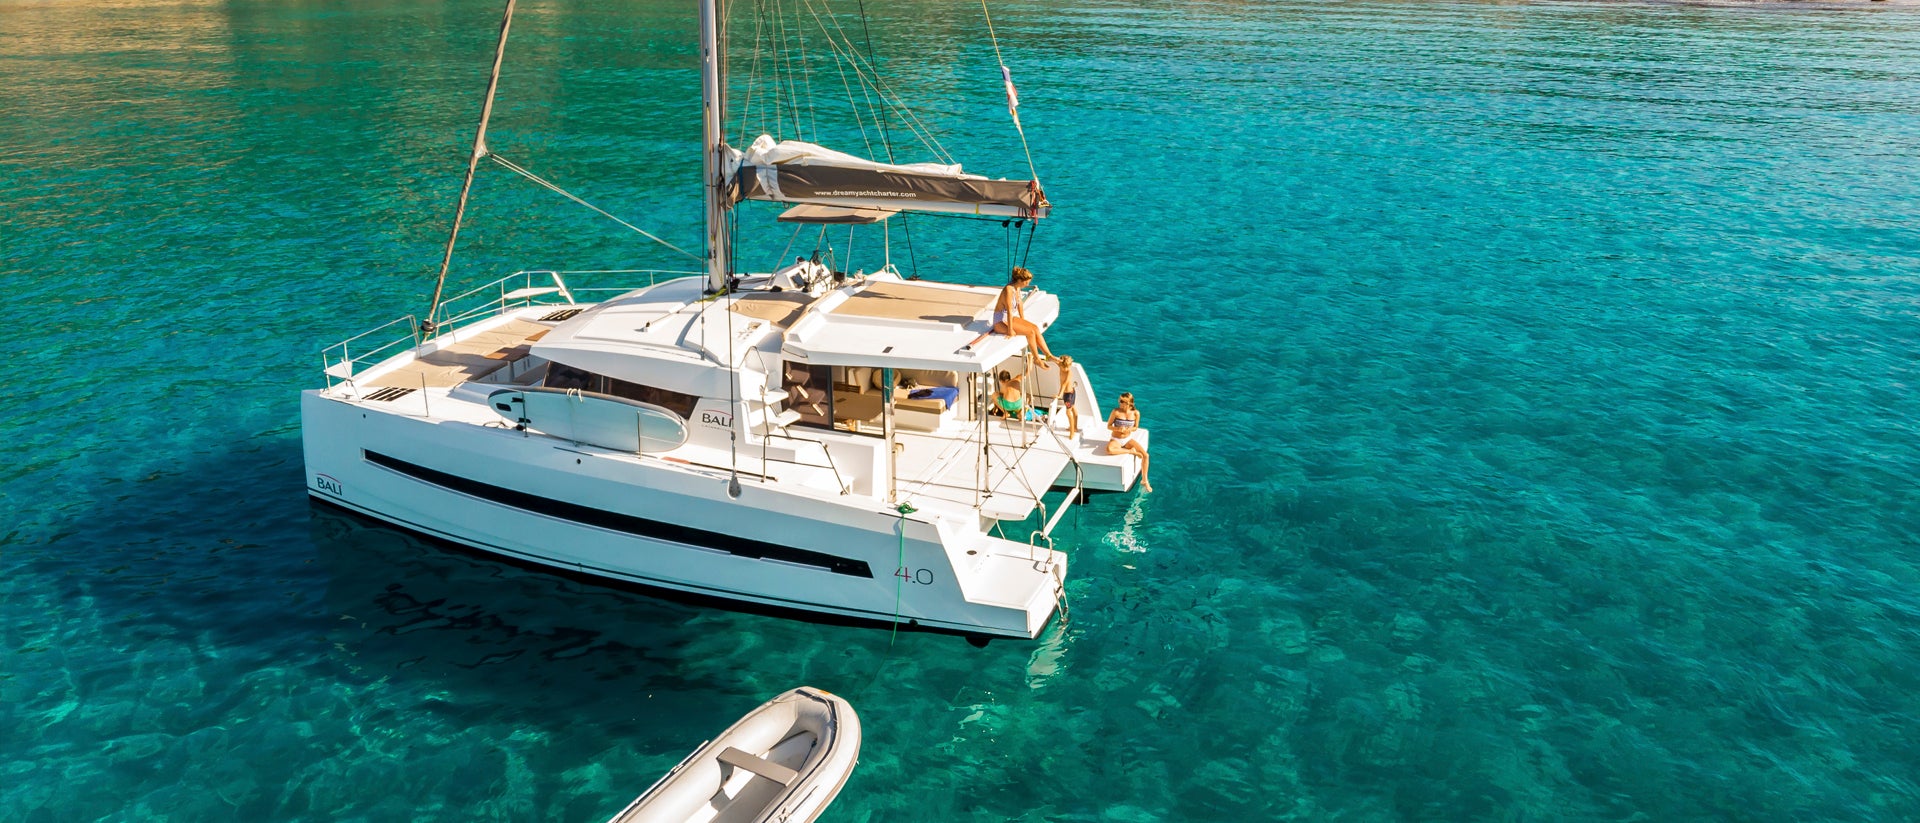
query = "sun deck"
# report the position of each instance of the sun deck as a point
(890, 323)
(465, 359)
(933, 303)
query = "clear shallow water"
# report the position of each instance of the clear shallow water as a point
(1532, 387)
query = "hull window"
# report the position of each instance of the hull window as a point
(568, 377)
(629, 524)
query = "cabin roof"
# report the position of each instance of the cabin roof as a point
(904, 325)
(653, 336)
(671, 335)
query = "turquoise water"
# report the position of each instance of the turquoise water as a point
(1532, 388)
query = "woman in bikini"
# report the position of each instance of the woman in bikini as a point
(1010, 313)
(1122, 422)
(1010, 401)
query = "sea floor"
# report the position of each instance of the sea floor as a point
(1532, 388)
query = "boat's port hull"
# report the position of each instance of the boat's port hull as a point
(1100, 471)
(657, 525)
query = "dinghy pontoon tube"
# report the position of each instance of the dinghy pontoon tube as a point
(782, 763)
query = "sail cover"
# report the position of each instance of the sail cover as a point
(791, 171)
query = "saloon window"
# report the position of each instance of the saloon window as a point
(673, 401)
(567, 377)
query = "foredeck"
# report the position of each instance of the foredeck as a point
(468, 359)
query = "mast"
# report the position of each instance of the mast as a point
(713, 141)
(473, 163)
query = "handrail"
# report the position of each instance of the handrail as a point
(332, 366)
(339, 362)
(1009, 468)
(824, 449)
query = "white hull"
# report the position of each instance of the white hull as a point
(670, 525)
(824, 446)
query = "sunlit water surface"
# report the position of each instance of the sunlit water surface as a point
(1532, 388)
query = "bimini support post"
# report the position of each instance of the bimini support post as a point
(886, 429)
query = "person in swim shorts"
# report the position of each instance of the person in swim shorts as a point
(1068, 394)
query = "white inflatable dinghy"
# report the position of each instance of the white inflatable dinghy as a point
(782, 763)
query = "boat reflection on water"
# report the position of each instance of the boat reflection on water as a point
(404, 602)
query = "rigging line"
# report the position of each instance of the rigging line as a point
(763, 66)
(726, 51)
(1007, 244)
(886, 138)
(776, 48)
(870, 74)
(786, 55)
(753, 78)
(853, 104)
(793, 73)
(772, 81)
(882, 91)
(893, 102)
(1012, 107)
(847, 87)
(806, 75)
(510, 166)
(473, 163)
(770, 106)
(866, 93)
(840, 63)
(913, 263)
(780, 261)
(867, 33)
(843, 50)
(890, 101)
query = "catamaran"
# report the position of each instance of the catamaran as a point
(807, 440)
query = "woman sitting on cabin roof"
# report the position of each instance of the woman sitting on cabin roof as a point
(1010, 314)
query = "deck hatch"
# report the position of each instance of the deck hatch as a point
(638, 526)
(389, 393)
(563, 314)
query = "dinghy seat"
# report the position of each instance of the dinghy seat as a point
(758, 765)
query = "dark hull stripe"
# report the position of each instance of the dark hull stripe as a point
(677, 592)
(625, 523)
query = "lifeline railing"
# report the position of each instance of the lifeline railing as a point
(766, 458)
(1017, 432)
(347, 358)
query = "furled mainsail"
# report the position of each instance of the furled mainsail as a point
(791, 171)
